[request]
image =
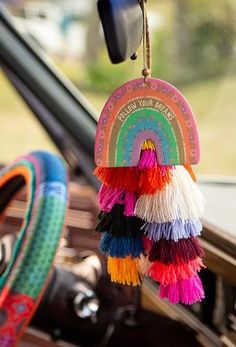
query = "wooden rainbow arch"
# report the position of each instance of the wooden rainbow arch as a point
(136, 112)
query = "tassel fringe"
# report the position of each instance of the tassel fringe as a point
(108, 197)
(121, 247)
(115, 223)
(166, 274)
(191, 173)
(147, 245)
(124, 270)
(188, 291)
(154, 179)
(147, 159)
(148, 144)
(176, 230)
(119, 177)
(150, 220)
(181, 199)
(144, 264)
(171, 252)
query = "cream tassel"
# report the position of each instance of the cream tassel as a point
(181, 199)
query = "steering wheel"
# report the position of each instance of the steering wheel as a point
(25, 278)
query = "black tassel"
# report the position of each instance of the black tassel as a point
(116, 224)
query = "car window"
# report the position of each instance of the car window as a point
(193, 47)
(20, 132)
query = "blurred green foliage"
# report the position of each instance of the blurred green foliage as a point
(195, 41)
(212, 36)
(104, 77)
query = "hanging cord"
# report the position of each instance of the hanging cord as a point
(146, 72)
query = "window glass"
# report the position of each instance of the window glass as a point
(20, 132)
(193, 47)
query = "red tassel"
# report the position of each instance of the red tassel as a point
(166, 274)
(147, 245)
(119, 177)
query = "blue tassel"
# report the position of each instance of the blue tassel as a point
(122, 246)
(179, 229)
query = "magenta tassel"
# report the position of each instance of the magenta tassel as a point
(108, 197)
(129, 201)
(147, 159)
(187, 291)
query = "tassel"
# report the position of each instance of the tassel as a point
(152, 177)
(150, 220)
(187, 291)
(121, 246)
(119, 177)
(191, 173)
(147, 144)
(147, 159)
(124, 270)
(171, 252)
(147, 245)
(181, 199)
(115, 223)
(171, 273)
(129, 201)
(108, 197)
(144, 264)
(176, 230)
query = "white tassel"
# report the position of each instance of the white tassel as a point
(181, 199)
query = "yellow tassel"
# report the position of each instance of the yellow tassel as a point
(148, 144)
(124, 270)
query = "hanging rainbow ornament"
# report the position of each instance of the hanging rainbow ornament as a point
(150, 204)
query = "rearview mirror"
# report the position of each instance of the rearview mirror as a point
(122, 22)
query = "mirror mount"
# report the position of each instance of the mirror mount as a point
(122, 22)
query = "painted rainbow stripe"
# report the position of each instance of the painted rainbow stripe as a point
(135, 113)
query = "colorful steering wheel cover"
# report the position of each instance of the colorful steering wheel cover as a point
(23, 282)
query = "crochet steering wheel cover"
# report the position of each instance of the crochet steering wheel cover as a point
(24, 281)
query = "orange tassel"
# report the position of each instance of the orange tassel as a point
(119, 177)
(154, 179)
(190, 171)
(144, 264)
(167, 274)
(124, 270)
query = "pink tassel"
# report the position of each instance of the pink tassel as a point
(187, 291)
(129, 201)
(147, 159)
(108, 197)
(152, 176)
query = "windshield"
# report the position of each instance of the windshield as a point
(193, 47)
